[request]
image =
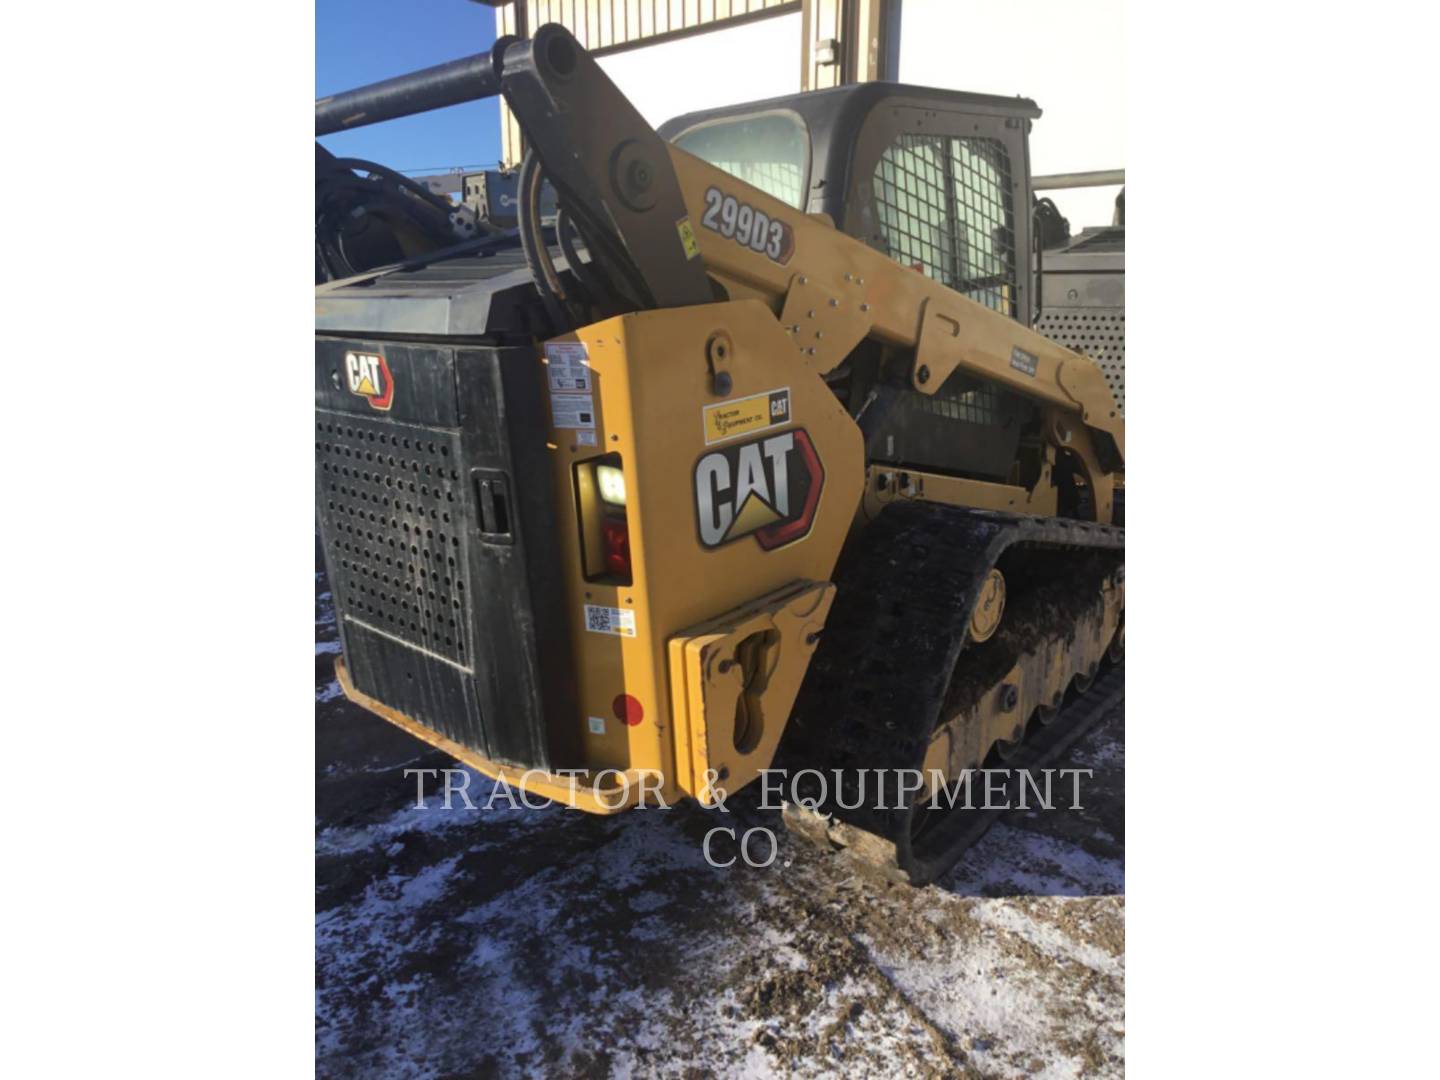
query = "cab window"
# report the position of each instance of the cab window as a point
(769, 151)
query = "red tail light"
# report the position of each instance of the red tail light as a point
(616, 534)
(600, 497)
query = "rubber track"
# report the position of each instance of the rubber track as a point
(938, 850)
(877, 684)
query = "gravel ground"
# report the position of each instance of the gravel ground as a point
(457, 943)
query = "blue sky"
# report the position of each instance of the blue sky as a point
(364, 41)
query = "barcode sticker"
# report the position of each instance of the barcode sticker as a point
(609, 620)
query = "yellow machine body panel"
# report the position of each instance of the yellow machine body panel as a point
(844, 290)
(700, 476)
(830, 291)
(733, 682)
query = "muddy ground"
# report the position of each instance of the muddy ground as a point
(551, 943)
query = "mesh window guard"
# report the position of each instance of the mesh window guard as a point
(944, 206)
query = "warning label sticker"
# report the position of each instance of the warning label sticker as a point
(731, 419)
(572, 410)
(1021, 360)
(687, 238)
(609, 620)
(568, 366)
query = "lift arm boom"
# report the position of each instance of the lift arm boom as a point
(669, 208)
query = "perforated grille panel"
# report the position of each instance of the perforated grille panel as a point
(944, 206)
(1100, 335)
(980, 406)
(392, 506)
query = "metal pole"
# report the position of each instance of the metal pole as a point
(470, 78)
(1056, 181)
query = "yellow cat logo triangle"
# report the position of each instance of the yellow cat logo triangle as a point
(755, 514)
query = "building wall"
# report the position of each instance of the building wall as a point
(700, 71)
(602, 24)
(1068, 56)
(723, 67)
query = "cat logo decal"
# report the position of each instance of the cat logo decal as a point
(368, 375)
(768, 488)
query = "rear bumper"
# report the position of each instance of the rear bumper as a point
(607, 792)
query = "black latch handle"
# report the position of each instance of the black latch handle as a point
(492, 490)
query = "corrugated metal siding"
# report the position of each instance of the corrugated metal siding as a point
(603, 25)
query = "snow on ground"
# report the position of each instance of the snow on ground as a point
(473, 943)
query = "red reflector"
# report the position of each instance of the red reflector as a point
(616, 534)
(628, 709)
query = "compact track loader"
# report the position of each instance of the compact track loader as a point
(746, 454)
